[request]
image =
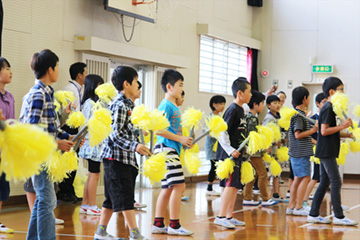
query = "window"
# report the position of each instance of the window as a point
(220, 64)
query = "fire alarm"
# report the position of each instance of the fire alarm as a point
(264, 73)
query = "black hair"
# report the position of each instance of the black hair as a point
(319, 97)
(298, 95)
(122, 74)
(257, 97)
(170, 76)
(4, 63)
(183, 93)
(77, 68)
(240, 84)
(281, 92)
(91, 83)
(216, 99)
(331, 83)
(140, 85)
(272, 98)
(42, 61)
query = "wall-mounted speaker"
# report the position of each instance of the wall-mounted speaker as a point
(255, 3)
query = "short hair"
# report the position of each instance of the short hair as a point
(76, 68)
(331, 83)
(140, 85)
(122, 74)
(170, 76)
(240, 84)
(319, 97)
(91, 83)
(216, 99)
(257, 97)
(272, 98)
(4, 63)
(298, 95)
(281, 92)
(42, 61)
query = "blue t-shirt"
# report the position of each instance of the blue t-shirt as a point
(173, 114)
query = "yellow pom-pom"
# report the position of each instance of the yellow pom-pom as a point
(255, 142)
(268, 134)
(57, 106)
(357, 110)
(247, 172)
(344, 150)
(355, 146)
(191, 118)
(69, 159)
(275, 168)
(267, 158)
(224, 168)
(192, 162)
(1, 139)
(286, 114)
(340, 102)
(215, 146)
(182, 157)
(216, 125)
(55, 168)
(158, 121)
(276, 131)
(141, 117)
(64, 97)
(25, 147)
(76, 119)
(185, 132)
(282, 154)
(106, 92)
(313, 158)
(195, 148)
(99, 126)
(154, 167)
(356, 133)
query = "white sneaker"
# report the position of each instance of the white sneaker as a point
(185, 198)
(59, 221)
(251, 203)
(307, 208)
(236, 222)
(269, 202)
(181, 231)
(139, 205)
(311, 197)
(93, 211)
(287, 194)
(4, 229)
(318, 219)
(300, 212)
(212, 193)
(159, 230)
(107, 237)
(240, 191)
(289, 211)
(223, 222)
(83, 209)
(345, 221)
(256, 191)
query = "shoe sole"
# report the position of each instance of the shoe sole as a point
(225, 226)
(344, 224)
(318, 222)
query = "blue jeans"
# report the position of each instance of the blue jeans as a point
(42, 220)
(329, 173)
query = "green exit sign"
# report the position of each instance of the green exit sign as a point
(322, 68)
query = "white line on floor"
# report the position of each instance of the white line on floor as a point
(242, 210)
(61, 234)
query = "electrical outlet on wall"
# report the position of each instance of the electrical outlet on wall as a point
(275, 82)
(290, 84)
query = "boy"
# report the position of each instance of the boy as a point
(118, 154)
(327, 150)
(171, 140)
(39, 109)
(217, 105)
(300, 151)
(256, 105)
(229, 142)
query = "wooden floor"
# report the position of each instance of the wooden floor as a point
(198, 214)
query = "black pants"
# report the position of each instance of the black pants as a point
(211, 176)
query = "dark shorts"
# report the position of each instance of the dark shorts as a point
(28, 186)
(94, 167)
(4, 188)
(119, 185)
(234, 179)
(291, 173)
(315, 171)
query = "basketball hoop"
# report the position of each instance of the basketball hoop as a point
(163, 11)
(137, 2)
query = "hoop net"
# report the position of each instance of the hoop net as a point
(163, 11)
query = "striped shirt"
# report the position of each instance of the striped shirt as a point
(303, 147)
(122, 142)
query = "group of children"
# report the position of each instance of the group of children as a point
(118, 151)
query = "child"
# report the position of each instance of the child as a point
(171, 141)
(256, 105)
(320, 100)
(91, 154)
(7, 105)
(39, 109)
(300, 151)
(217, 105)
(228, 144)
(282, 96)
(118, 154)
(327, 150)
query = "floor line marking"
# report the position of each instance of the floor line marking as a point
(238, 211)
(61, 234)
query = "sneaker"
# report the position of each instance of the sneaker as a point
(345, 221)
(107, 236)
(300, 212)
(240, 191)
(311, 197)
(269, 202)
(307, 208)
(93, 211)
(256, 191)
(181, 231)
(281, 181)
(139, 205)
(212, 193)
(223, 222)
(138, 238)
(236, 222)
(4, 229)
(83, 209)
(287, 194)
(280, 199)
(251, 203)
(289, 211)
(59, 221)
(318, 219)
(184, 198)
(159, 230)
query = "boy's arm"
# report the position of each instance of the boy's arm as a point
(346, 135)
(186, 141)
(327, 130)
(299, 125)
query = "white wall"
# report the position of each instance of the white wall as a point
(291, 31)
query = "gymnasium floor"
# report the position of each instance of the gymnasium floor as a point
(198, 214)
